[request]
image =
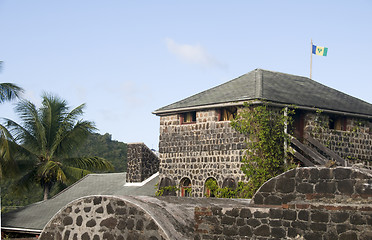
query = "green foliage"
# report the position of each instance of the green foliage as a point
(46, 140)
(169, 189)
(103, 146)
(242, 191)
(265, 156)
(11, 201)
(96, 145)
(9, 91)
(213, 188)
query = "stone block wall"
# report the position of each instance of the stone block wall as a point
(315, 204)
(301, 221)
(303, 203)
(142, 162)
(339, 184)
(353, 145)
(198, 151)
(102, 217)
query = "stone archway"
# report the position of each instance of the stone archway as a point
(103, 217)
(185, 187)
(167, 182)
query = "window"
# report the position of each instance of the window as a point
(189, 117)
(210, 187)
(337, 123)
(229, 183)
(185, 186)
(227, 114)
(167, 182)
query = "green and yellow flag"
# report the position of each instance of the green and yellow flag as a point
(322, 51)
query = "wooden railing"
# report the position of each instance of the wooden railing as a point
(310, 157)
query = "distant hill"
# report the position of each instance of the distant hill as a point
(103, 146)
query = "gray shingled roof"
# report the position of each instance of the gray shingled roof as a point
(37, 215)
(274, 87)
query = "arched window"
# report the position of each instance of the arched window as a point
(168, 186)
(185, 187)
(229, 183)
(210, 187)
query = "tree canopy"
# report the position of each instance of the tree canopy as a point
(45, 140)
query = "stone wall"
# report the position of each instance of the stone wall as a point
(301, 221)
(102, 217)
(354, 144)
(198, 151)
(312, 204)
(307, 203)
(310, 183)
(142, 162)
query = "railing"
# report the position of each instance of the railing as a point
(310, 157)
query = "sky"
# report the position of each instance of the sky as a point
(125, 59)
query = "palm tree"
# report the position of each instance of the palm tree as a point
(47, 138)
(8, 92)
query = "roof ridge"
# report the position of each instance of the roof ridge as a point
(259, 83)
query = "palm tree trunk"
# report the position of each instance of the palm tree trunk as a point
(46, 192)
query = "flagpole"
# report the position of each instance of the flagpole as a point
(311, 58)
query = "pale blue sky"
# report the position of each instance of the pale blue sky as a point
(125, 59)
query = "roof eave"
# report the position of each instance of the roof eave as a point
(257, 101)
(22, 230)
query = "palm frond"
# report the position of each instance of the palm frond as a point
(9, 91)
(25, 182)
(67, 141)
(73, 173)
(52, 171)
(52, 113)
(27, 142)
(8, 168)
(89, 163)
(32, 124)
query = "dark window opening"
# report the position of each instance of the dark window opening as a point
(189, 117)
(185, 187)
(229, 183)
(227, 113)
(168, 187)
(337, 123)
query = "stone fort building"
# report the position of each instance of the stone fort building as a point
(196, 140)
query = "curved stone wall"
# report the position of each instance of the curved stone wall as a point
(339, 184)
(303, 203)
(102, 217)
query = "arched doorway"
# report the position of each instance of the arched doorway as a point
(185, 187)
(210, 187)
(229, 183)
(168, 186)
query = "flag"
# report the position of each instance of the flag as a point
(322, 51)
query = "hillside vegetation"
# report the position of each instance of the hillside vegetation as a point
(96, 145)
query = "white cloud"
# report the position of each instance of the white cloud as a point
(194, 54)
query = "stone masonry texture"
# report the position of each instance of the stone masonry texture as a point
(303, 203)
(102, 217)
(313, 203)
(354, 144)
(209, 148)
(198, 151)
(142, 162)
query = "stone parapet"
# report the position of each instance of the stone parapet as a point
(142, 162)
(341, 184)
